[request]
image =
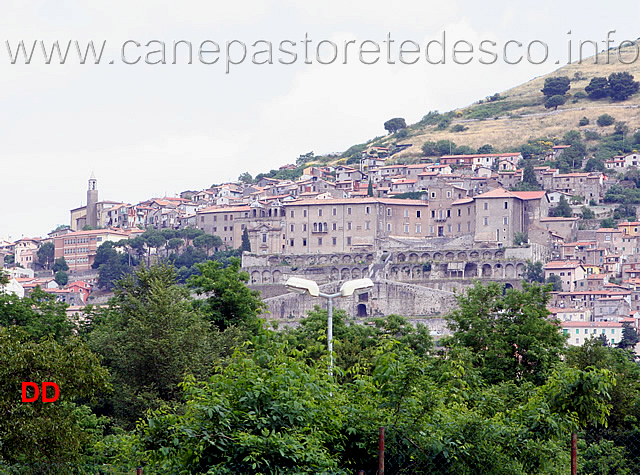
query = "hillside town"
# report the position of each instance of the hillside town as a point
(435, 226)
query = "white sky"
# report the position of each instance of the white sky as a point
(151, 130)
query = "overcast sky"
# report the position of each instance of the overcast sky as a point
(155, 130)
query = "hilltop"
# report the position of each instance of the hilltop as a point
(511, 118)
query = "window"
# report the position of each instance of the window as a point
(215, 217)
(202, 219)
(333, 241)
(304, 227)
(319, 241)
(406, 213)
(304, 242)
(348, 241)
(418, 229)
(334, 226)
(292, 214)
(433, 213)
(388, 211)
(505, 220)
(367, 225)
(459, 212)
(230, 217)
(430, 229)
(448, 213)
(320, 212)
(230, 228)
(264, 238)
(449, 228)
(485, 221)
(406, 229)
(485, 205)
(367, 210)
(291, 243)
(388, 226)
(226, 217)
(418, 214)
(292, 227)
(304, 213)
(506, 205)
(349, 211)
(458, 227)
(349, 226)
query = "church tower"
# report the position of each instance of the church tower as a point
(92, 202)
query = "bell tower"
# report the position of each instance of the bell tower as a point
(92, 202)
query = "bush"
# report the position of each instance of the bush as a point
(605, 120)
(459, 128)
(582, 122)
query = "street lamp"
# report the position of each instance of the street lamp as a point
(350, 287)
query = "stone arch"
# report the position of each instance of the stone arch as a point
(425, 256)
(335, 273)
(449, 256)
(474, 255)
(266, 277)
(346, 259)
(498, 270)
(311, 260)
(299, 261)
(462, 256)
(256, 277)
(401, 257)
(334, 259)
(519, 270)
(369, 258)
(355, 273)
(487, 255)
(471, 269)
(509, 271)
(406, 272)
(394, 272)
(417, 272)
(282, 310)
(357, 258)
(277, 276)
(274, 260)
(345, 274)
(437, 256)
(499, 254)
(322, 259)
(413, 257)
(487, 271)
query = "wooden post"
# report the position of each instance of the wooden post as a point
(381, 451)
(574, 454)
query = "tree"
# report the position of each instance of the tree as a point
(598, 88)
(587, 213)
(38, 314)
(520, 239)
(529, 175)
(534, 272)
(111, 264)
(207, 242)
(622, 86)
(228, 301)
(554, 102)
(563, 209)
(486, 148)
(47, 433)
(429, 149)
(605, 120)
(630, 337)
(61, 278)
(60, 264)
(175, 244)
(582, 122)
(508, 332)
(245, 178)
(557, 86)
(608, 223)
(46, 254)
(370, 188)
(395, 124)
(556, 282)
(150, 338)
(246, 244)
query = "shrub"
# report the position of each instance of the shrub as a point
(605, 120)
(582, 122)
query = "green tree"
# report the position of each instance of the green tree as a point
(60, 264)
(587, 213)
(556, 282)
(534, 272)
(554, 102)
(228, 301)
(38, 314)
(508, 332)
(563, 209)
(393, 125)
(370, 188)
(622, 86)
(246, 244)
(582, 122)
(111, 264)
(598, 88)
(608, 223)
(430, 149)
(46, 255)
(150, 338)
(47, 433)
(520, 239)
(529, 175)
(245, 178)
(61, 278)
(630, 337)
(605, 120)
(486, 148)
(556, 86)
(175, 244)
(207, 242)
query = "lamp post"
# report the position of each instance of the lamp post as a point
(347, 289)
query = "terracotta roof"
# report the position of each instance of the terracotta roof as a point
(483, 155)
(562, 264)
(592, 324)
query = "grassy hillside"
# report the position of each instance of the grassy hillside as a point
(519, 114)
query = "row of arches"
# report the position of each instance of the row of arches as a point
(258, 277)
(320, 259)
(474, 255)
(500, 270)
